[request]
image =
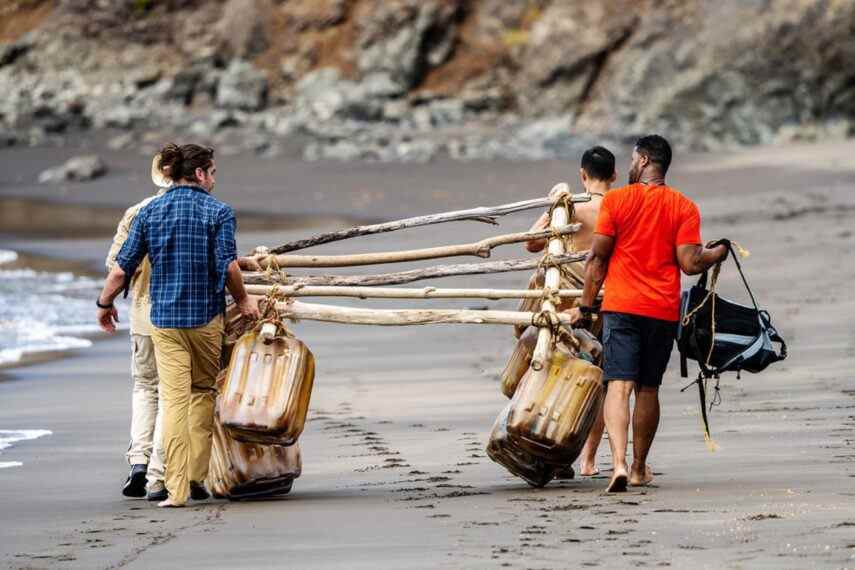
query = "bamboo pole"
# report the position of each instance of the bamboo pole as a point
(402, 317)
(401, 277)
(404, 293)
(486, 214)
(552, 280)
(480, 248)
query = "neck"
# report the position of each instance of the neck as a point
(652, 178)
(185, 182)
(598, 187)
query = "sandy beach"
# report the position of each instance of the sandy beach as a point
(394, 469)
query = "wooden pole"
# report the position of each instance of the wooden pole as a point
(552, 280)
(478, 249)
(404, 293)
(402, 317)
(479, 214)
(402, 277)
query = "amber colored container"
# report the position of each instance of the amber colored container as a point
(235, 327)
(507, 453)
(518, 362)
(573, 279)
(553, 409)
(241, 470)
(265, 396)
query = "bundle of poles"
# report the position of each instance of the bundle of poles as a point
(273, 280)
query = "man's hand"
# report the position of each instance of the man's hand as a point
(107, 319)
(248, 307)
(249, 264)
(578, 319)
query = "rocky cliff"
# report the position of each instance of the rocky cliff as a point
(408, 79)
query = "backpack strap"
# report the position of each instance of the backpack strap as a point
(702, 397)
(773, 335)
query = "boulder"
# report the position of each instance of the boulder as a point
(326, 95)
(403, 39)
(79, 169)
(242, 86)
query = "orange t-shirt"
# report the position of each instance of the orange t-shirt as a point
(648, 223)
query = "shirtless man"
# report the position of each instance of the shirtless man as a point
(598, 175)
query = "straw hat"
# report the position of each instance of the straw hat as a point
(160, 180)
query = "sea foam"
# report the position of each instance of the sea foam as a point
(44, 312)
(8, 437)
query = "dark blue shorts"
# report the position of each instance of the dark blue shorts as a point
(636, 348)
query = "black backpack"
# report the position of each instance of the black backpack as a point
(723, 336)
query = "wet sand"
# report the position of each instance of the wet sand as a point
(394, 469)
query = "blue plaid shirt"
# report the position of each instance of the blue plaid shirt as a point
(189, 237)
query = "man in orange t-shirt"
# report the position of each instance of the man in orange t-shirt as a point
(646, 233)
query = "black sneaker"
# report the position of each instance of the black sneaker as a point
(198, 492)
(135, 485)
(158, 493)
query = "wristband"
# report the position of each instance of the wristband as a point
(100, 306)
(587, 311)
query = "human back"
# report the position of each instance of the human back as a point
(648, 223)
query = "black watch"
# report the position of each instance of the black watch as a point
(100, 306)
(587, 311)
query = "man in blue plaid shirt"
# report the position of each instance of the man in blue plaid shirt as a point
(189, 237)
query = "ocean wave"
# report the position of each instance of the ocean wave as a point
(46, 312)
(10, 436)
(7, 256)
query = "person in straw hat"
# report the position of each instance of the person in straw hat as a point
(144, 451)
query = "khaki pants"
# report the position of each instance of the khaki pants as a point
(145, 447)
(188, 361)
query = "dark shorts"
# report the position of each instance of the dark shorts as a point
(636, 348)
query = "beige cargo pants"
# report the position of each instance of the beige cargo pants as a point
(188, 361)
(145, 447)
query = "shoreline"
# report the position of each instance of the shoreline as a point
(394, 469)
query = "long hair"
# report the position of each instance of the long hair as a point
(181, 162)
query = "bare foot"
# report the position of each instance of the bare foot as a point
(618, 482)
(637, 479)
(588, 469)
(168, 504)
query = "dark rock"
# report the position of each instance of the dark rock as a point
(181, 87)
(10, 52)
(8, 138)
(403, 39)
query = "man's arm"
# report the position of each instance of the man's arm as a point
(229, 266)
(695, 258)
(107, 314)
(537, 245)
(127, 260)
(596, 268)
(247, 306)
